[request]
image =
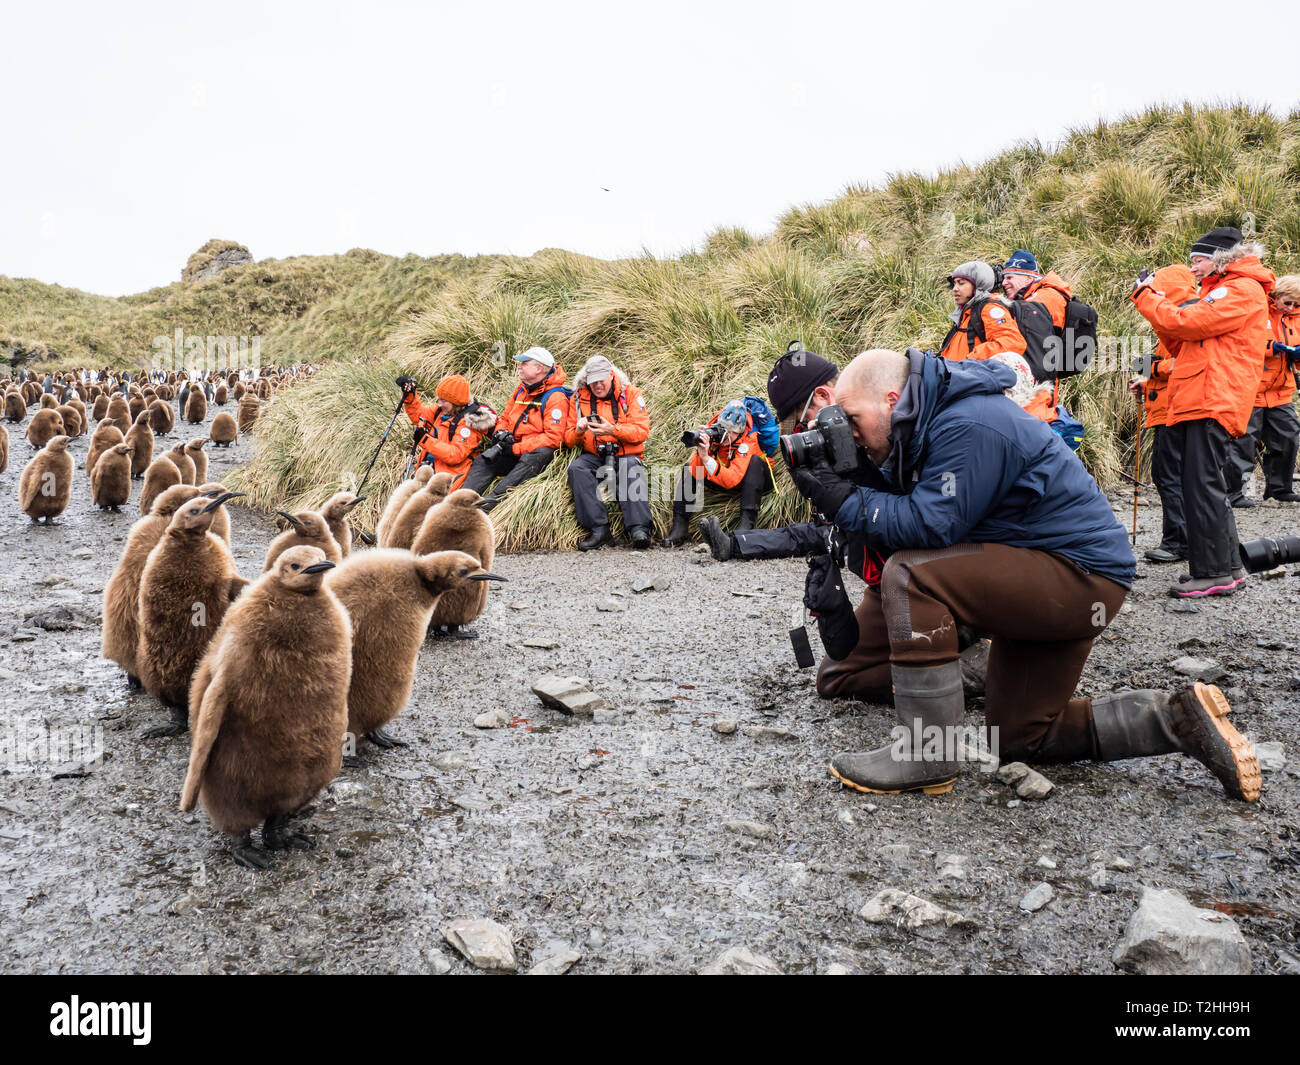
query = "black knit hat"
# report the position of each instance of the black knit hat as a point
(794, 377)
(1217, 240)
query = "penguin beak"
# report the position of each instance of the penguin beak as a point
(485, 576)
(320, 567)
(290, 519)
(212, 493)
(354, 502)
(219, 500)
(368, 539)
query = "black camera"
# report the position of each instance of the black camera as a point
(501, 439)
(713, 434)
(1268, 553)
(829, 440)
(607, 452)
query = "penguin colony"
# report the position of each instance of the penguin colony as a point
(271, 678)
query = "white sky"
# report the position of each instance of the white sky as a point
(136, 131)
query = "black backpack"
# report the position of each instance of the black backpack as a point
(1035, 325)
(1079, 338)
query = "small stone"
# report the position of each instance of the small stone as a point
(895, 853)
(765, 732)
(348, 792)
(438, 963)
(951, 866)
(1271, 756)
(82, 552)
(541, 643)
(1045, 862)
(1013, 772)
(1037, 897)
(845, 817)
(183, 905)
(449, 760)
(517, 606)
(1097, 878)
(7, 674)
(492, 719)
(595, 939)
(1267, 575)
(603, 715)
(610, 606)
(569, 695)
(836, 969)
(740, 961)
(1206, 670)
(1034, 786)
(910, 912)
(484, 943)
(555, 964)
(725, 726)
(470, 802)
(648, 584)
(1167, 935)
(870, 807)
(1123, 865)
(1181, 606)
(748, 828)
(1013, 804)
(345, 852)
(740, 593)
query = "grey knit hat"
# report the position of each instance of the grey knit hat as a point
(977, 273)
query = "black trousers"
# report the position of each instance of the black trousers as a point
(757, 480)
(1270, 437)
(790, 541)
(511, 468)
(1212, 549)
(1167, 472)
(629, 486)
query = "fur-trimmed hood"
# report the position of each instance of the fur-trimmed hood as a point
(581, 380)
(1228, 256)
(484, 421)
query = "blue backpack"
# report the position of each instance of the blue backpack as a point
(1068, 428)
(765, 425)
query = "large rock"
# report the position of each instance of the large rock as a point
(568, 695)
(484, 943)
(740, 961)
(1167, 935)
(214, 257)
(910, 912)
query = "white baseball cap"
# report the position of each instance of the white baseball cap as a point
(537, 355)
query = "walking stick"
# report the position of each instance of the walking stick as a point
(373, 457)
(1137, 473)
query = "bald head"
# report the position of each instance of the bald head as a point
(873, 374)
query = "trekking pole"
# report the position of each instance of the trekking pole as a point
(1137, 475)
(382, 439)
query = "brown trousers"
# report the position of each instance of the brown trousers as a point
(1041, 611)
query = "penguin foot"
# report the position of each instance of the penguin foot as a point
(133, 683)
(383, 739)
(172, 728)
(353, 761)
(277, 836)
(245, 854)
(457, 633)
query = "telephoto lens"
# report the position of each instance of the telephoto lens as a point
(830, 441)
(1269, 553)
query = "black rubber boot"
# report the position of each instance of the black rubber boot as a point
(598, 537)
(923, 699)
(721, 544)
(680, 530)
(1192, 721)
(747, 518)
(640, 537)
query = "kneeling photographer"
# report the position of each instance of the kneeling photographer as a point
(986, 520)
(609, 421)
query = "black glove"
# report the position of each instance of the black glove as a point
(825, 488)
(824, 595)
(406, 384)
(420, 433)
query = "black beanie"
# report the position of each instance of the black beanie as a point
(794, 377)
(1217, 240)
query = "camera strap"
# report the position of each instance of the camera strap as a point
(803, 655)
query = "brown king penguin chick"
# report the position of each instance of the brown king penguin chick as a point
(161, 475)
(110, 480)
(44, 427)
(222, 396)
(141, 440)
(307, 527)
(270, 705)
(121, 637)
(247, 410)
(223, 431)
(390, 594)
(105, 436)
(457, 524)
(48, 402)
(161, 419)
(119, 413)
(136, 404)
(4, 449)
(46, 482)
(182, 462)
(194, 450)
(71, 420)
(407, 523)
(188, 583)
(398, 499)
(220, 516)
(335, 513)
(16, 406)
(196, 405)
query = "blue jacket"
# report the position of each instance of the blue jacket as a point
(979, 469)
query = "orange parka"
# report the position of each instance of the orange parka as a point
(448, 439)
(733, 459)
(1277, 386)
(1178, 283)
(532, 424)
(1222, 335)
(1052, 292)
(1001, 334)
(624, 410)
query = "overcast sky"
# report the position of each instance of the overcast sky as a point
(136, 131)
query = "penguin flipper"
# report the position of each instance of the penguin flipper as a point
(205, 727)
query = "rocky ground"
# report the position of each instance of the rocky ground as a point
(644, 840)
